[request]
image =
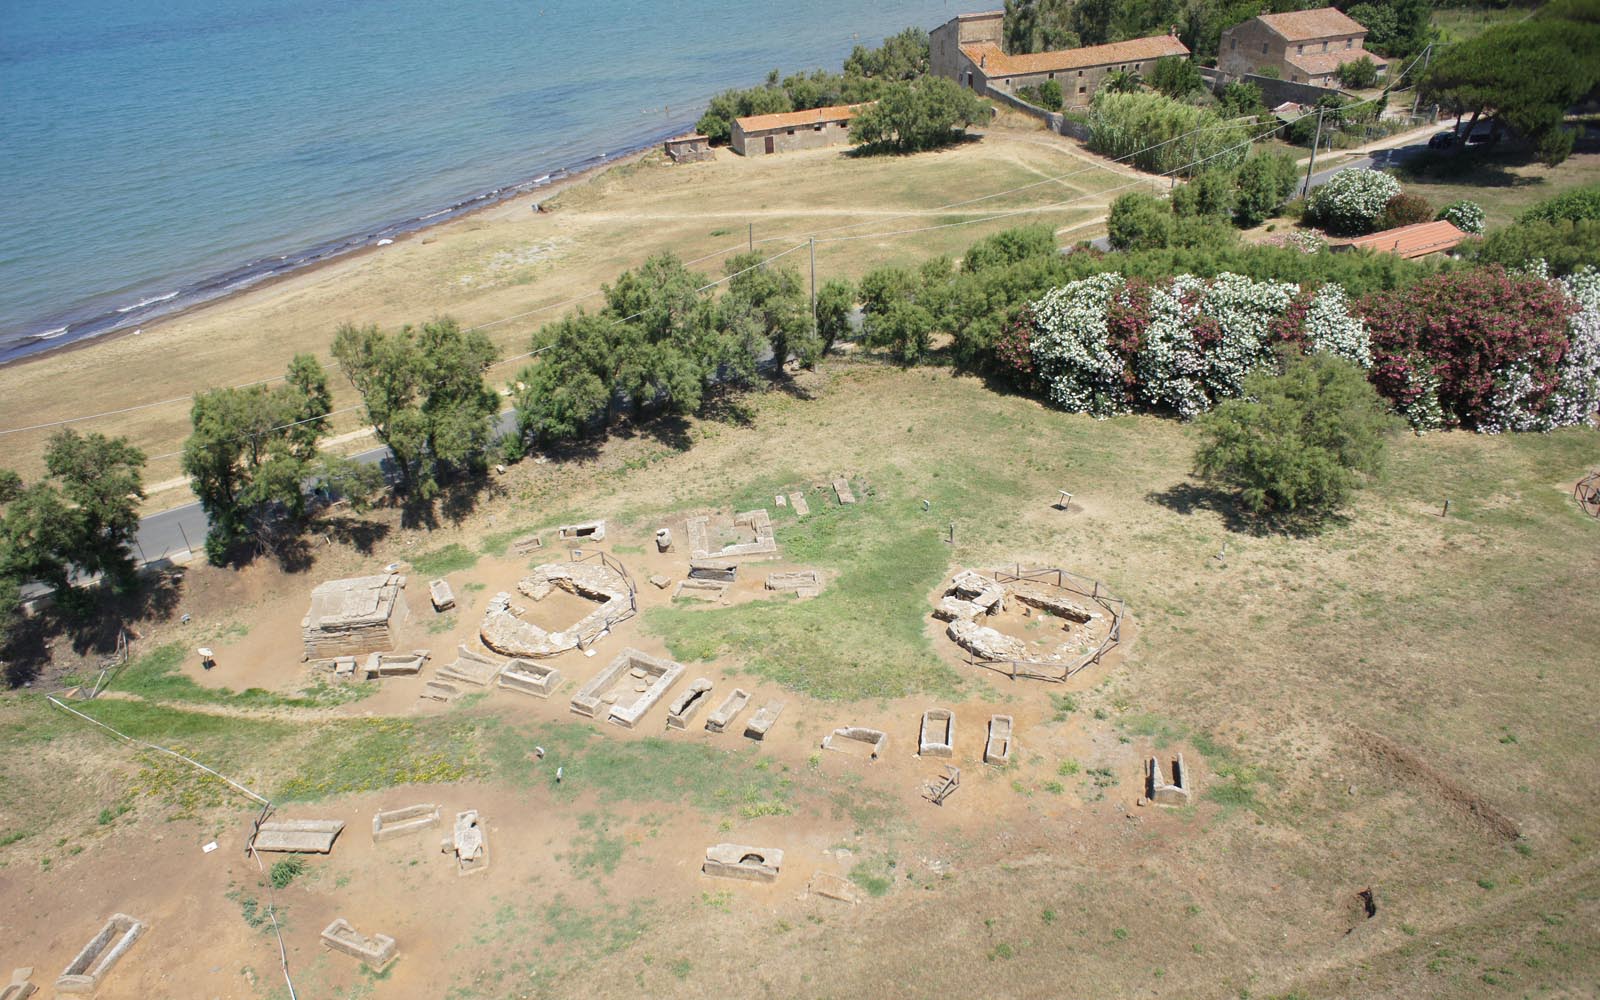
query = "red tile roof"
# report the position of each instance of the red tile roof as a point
(1304, 25)
(1322, 63)
(1411, 241)
(797, 119)
(995, 63)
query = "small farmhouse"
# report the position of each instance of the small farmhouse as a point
(759, 135)
(1302, 46)
(967, 49)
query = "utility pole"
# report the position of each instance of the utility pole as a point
(1306, 189)
(1416, 91)
(813, 243)
(752, 237)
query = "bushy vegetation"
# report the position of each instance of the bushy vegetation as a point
(1160, 135)
(1404, 210)
(1352, 201)
(1577, 205)
(1299, 441)
(1564, 247)
(1046, 95)
(1466, 216)
(916, 115)
(867, 72)
(1359, 74)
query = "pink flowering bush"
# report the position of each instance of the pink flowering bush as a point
(1480, 349)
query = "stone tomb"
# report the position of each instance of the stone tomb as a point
(440, 691)
(1158, 790)
(747, 534)
(399, 822)
(528, 677)
(841, 487)
(804, 582)
(938, 736)
(84, 973)
(628, 687)
(830, 885)
(729, 710)
(298, 836)
(441, 595)
(763, 720)
(395, 664)
(840, 739)
(21, 986)
(997, 749)
(701, 590)
(506, 632)
(798, 502)
(588, 531)
(682, 711)
(714, 570)
(354, 616)
(470, 667)
(376, 951)
(754, 864)
(469, 842)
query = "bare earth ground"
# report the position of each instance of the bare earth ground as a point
(516, 269)
(1356, 709)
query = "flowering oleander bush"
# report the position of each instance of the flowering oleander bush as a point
(1577, 396)
(1486, 344)
(1105, 344)
(1353, 200)
(1466, 216)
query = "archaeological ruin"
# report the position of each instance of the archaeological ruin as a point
(604, 596)
(753, 864)
(387, 825)
(354, 617)
(97, 958)
(747, 534)
(627, 688)
(376, 951)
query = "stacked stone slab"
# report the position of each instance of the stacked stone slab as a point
(985, 642)
(97, 958)
(877, 739)
(841, 488)
(441, 595)
(1055, 604)
(469, 842)
(729, 710)
(806, 582)
(764, 719)
(376, 951)
(758, 521)
(587, 531)
(798, 502)
(355, 616)
(505, 632)
(298, 836)
(701, 590)
(714, 570)
(399, 822)
(753, 864)
(938, 735)
(528, 677)
(682, 711)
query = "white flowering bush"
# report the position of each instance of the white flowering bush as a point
(1071, 350)
(1103, 344)
(1577, 395)
(1331, 329)
(1466, 216)
(1352, 200)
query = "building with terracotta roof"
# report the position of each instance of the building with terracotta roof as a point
(1301, 46)
(1418, 240)
(760, 135)
(967, 49)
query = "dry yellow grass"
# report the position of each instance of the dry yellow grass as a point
(510, 262)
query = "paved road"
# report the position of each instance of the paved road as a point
(1378, 159)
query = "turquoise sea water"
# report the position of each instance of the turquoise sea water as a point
(156, 152)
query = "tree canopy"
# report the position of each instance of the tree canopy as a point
(920, 114)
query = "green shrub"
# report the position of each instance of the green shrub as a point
(1352, 201)
(1263, 182)
(1576, 205)
(1360, 74)
(1466, 216)
(1139, 221)
(920, 114)
(1405, 210)
(1564, 245)
(286, 871)
(1295, 446)
(1161, 135)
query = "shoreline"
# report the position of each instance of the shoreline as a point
(230, 283)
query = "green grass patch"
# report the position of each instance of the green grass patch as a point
(453, 558)
(864, 637)
(594, 849)
(875, 877)
(362, 755)
(157, 676)
(286, 871)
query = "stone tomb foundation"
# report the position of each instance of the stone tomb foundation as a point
(682, 711)
(395, 664)
(1158, 790)
(874, 739)
(938, 735)
(764, 719)
(21, 986)
(377, 951)
(506, 632)
(441, 595)
(997, 749)
(528, 677)
(754, 864)
(719, 538)
(298, 836)
(588, 531)
(84, 973)
(354, 616)
(388, 825)
(469, 842)
(729, 710)
(628, 687)
(469, 667)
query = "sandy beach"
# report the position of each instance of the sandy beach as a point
(509, 268)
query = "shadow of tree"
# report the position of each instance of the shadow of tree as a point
(1193, 496)
(358, 533)
(90, 623)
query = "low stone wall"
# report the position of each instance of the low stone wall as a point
(1273, 91)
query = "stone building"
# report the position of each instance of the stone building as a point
(1302, 46)
(759, 135)
(967, 50)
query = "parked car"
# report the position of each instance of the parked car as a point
(1444, 140)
